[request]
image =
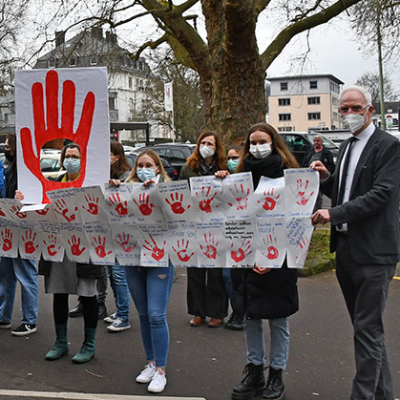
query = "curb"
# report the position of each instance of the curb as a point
(316, 266)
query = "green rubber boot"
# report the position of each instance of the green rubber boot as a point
(60, 347)
(87, 349)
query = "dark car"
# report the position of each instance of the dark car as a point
(169, 169)
(300, 143)
(175, 153)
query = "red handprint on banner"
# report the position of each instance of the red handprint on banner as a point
(181, 250)
(241, 196)
(48, 130)
(43, 212)
(2, 213)
(92, 204)
(156, 252)
(29, 240)
(16, 210)
(100, 246)
(242, 252)
(123, 241)
(272, 252)
(51, 246)
(75, 243)
(210, 249)
(176, 204)
(60, 207)
(145, 207)
(300, 194)
(6, 237)
(121, 208)
(269, 201)
(205, 204)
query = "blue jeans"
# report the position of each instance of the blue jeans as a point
(150, 289)
(11, 270)
(279, 342)
(116, 273)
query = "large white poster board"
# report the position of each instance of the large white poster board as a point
(61, 104)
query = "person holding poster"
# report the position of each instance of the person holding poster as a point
(119, 321)
(13, 269)
(206, 294)
(150, 288)
(67, 277)
(264, 293)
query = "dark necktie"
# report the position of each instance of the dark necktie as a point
(345, 167)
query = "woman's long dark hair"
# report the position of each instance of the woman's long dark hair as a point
(121, 165)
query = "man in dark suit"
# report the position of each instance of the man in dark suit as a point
(364, 217)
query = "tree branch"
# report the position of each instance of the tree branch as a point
(279, 43)
(185, 6)
(151, 44)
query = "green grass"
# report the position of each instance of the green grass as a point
(319, 246)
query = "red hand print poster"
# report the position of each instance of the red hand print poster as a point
(58, 105)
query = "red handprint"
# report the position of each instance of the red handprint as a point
(272, 251)
(157, 253)
(176, 205)
(123, 241)
(241, 196)
(205, 205)
(6, 237)
(17, 211)
(242, 251)
(269, 201)
(145, 207)
(75, 244)
(29, 239)
(181, 250)
(51, 246)
(42, 212)
(46, 131)
(60, 207)
(2, 214)
(301, 197)
(92, 206)
(100, 246)
(120, 208)
(211, 246)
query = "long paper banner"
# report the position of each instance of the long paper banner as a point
(216, 223)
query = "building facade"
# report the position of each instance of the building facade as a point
(302, 103)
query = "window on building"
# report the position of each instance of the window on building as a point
(130, 83)
(284, 102)
(112, 101)
(285, 117)
(314, 100)
(93, 60)
(72, 62)
(285, 129)
(52, 63)
(284, 86)
(314, 116)
(313, 84)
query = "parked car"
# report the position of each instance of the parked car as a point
(300, 143)
(169, 169)
(175, 153)
(50, 164)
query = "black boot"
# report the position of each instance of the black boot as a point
(252, 384)
(275, 388)
(76, 311)
(235, 323)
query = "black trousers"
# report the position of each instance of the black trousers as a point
(206, 294)
(365, 290)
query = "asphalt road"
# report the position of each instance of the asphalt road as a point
(204, 363)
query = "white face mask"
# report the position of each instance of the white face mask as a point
(354, 121)
(206, 151)
(260, 150)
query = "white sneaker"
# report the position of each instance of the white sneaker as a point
(158, 383)
(147, 374)
(111, 318)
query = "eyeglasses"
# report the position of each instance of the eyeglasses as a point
(355, 109)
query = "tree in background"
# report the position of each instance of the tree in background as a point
(188, 106)
(370, 80)
(230, 66)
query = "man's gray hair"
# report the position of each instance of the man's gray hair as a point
(361, 89)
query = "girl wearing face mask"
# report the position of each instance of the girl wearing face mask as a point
(151, 294)
(264, 293)
(206, 294)
(67, 277)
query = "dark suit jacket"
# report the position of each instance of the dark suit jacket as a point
(372, 212)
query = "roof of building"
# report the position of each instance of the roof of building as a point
(301, 77)
(390, 107)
